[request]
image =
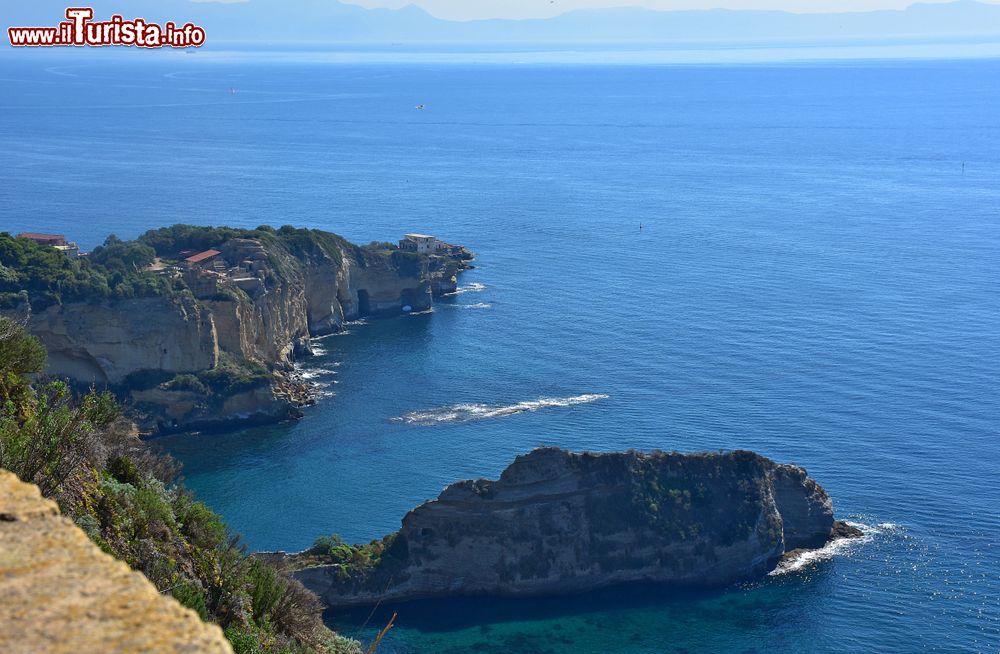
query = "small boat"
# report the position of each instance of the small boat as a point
(420, 106)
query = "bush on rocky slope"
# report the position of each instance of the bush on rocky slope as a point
(83, 454)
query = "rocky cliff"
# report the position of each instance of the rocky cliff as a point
(60, 593)
(236, 321)
(104, 342)
(557, 522)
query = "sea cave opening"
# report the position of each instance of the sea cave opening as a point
(364, 303)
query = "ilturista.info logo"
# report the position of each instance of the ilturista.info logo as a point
(79, 29)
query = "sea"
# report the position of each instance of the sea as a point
(800, 258)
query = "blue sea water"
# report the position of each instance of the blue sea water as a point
(815, 278)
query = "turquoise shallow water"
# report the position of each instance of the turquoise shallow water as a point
(816, 279)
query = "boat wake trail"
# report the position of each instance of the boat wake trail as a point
(473, 412)
(835, 548)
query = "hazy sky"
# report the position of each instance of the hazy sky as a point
(470, 9)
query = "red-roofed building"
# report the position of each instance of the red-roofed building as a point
(44, 239)
(202, 259)
(57, 241)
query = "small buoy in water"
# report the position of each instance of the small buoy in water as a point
(407, 309)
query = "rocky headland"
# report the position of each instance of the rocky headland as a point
(557, 522)
(199, 327)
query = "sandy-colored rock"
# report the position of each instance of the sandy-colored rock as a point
(59, 593)
(105, 342)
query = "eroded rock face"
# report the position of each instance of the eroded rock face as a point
(805, 508)
(105, 342)
(167, 410)
(369, 282)
(60, 594)
(262, 306)
(557, 522)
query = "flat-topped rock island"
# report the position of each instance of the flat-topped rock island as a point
(556, 522)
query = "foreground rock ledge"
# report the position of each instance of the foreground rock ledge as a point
(60, 593)
(557, 522)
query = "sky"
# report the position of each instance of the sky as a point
(473, 9)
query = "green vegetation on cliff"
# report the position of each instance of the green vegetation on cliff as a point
(299, 243)
(83, 454)
(43, 276)
(389, 552)
(231, 374)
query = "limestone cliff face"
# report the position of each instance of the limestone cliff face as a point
(806, 509)
(260, 302)
(59, 593)
(557, 522)
(377, 286)
(314, 293)
(326, 296)
(105, 342)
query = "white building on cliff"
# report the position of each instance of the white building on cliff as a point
(419, 243)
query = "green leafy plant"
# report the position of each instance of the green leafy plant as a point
(82, 453)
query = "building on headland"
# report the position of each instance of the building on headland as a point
(204, 260)
(203, 283)
(419, 243)
(240, 263)
(57, 241)
(52, 240)
(426, 244)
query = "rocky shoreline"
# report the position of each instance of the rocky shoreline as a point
(214, 344)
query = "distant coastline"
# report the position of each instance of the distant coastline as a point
(337, 32)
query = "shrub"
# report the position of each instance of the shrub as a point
(20, 355)
(124, 470)
(297, 612)
(154, 512)
(326, 545)
(116, 254)
(185, 382)
(192, 597)
(265, 587)
(244, 641)
(47, 439)
(232, 375)
(341, 645)
(202, 526)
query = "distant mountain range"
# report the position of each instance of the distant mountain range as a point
(328, 21)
